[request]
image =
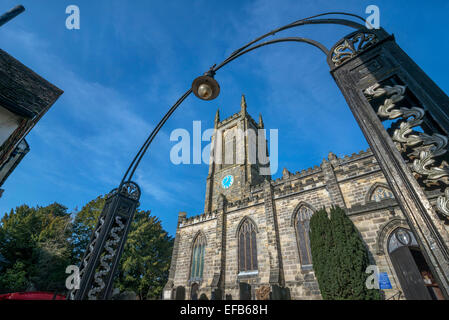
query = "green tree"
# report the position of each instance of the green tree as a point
(84, 223)
(340, 257)
(14, 278)
(322, 248)
(146, 257)
(35, 242)
(352, 259)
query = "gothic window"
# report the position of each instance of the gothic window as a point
(197, 266)
(302, 224)
(399, 238)
(229, 146)
(247, 247)
(380, 193)
(229, 151)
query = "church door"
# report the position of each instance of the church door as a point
(245, 291)
(411, 268)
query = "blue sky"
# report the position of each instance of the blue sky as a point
(131, 60)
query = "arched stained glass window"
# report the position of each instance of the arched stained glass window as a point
(381, 193)
(302, 223)
(197, 265)
(247, 247)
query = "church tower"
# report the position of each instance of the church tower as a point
(236, 163)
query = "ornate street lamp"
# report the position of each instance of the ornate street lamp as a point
(354, 69)
(206, 87)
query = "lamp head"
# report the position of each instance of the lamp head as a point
(206, 87)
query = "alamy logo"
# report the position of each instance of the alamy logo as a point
(372, 281)
(226, 147)
(376, 279)
(73, 20)
(373, 20)
(72, 282)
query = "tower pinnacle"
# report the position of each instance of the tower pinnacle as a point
(243, 105)
(217, 117)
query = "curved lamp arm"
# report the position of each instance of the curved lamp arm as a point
(234, 55)
(135, 163)
(290, 39)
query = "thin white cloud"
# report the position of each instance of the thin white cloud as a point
(100, 131)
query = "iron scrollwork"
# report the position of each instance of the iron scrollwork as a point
(102, 256)
(425, 148)
(443, 203)
(106, 260)
(131, 190)
(351, 46)
(89, 252)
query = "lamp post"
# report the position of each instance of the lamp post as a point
(99, 264)
(11, 14)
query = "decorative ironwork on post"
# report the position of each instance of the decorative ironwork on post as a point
(381, 82)
(100, 262)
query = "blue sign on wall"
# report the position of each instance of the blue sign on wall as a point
(384, 282)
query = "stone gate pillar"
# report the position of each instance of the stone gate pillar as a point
(380, 82)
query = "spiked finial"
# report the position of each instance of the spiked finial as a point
(261, 125)
(285, 173)
(243, 105)
(217, 117)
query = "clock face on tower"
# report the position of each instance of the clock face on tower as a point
(227, 182)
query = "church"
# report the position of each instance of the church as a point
(252, 241)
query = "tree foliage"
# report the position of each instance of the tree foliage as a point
(146, 257)
(37, 244)
(322, 247)
(340, 257)
(84, 223)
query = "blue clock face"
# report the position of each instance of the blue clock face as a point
(227, 182)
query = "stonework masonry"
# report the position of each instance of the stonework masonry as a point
(272, 206)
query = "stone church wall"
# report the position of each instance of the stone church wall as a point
(187, 236)
(234, 218)
(272, 206)
(355, 176)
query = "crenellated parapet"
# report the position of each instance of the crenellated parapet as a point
(346, 167)
(229, 119)
(298, 175)
(355, 156)
(203, 217)
(357, 164)
(252, 200)
(257, 188)
(236, 116)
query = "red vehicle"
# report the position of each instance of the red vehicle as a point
(32, 296)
